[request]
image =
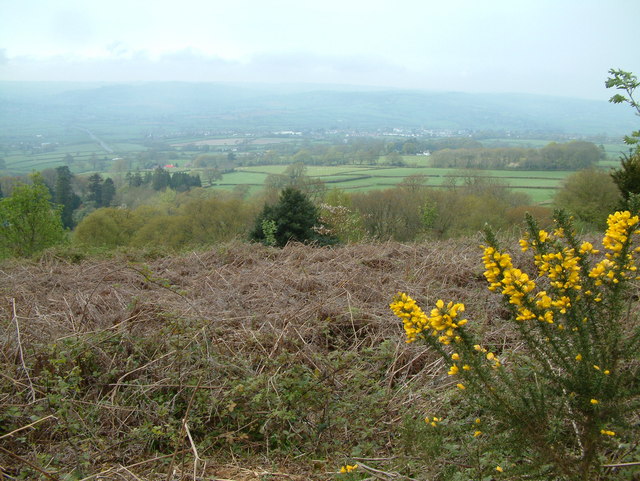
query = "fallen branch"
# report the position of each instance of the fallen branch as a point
(24, 366)
(30, 464)
(27, 426)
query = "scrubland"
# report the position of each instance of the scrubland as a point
(244, 362)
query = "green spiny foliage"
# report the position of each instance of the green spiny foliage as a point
(562, 401)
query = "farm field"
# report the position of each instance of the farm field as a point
(95, 150)
(540, 185)
(232, 141)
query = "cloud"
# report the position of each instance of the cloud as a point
(118, 62)
(123, 64)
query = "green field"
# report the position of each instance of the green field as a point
(539, 185)
(111, 140)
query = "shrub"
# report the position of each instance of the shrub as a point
(28, 222)
(295, 218)
(562, 402)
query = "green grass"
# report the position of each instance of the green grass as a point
(124, 140)
(507, 142)
(539, 185)
(243, 178)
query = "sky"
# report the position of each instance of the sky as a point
(551, 47)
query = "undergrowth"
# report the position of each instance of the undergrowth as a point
(243, 362)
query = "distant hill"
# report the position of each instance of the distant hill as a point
(256, 107)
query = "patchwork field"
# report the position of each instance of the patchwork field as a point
(93, 152)
(540, 185)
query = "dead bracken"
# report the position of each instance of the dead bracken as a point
(114, 348)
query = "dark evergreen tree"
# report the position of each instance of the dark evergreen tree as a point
(108, 192)
(194, 180)
(294, 217)
(95, 190)
(136, 180)
(627, 177)
(64, 195)
(179, 181)
(160, 179)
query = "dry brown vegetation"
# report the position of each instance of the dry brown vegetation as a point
(243, 362)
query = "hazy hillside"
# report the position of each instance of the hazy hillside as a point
(295, 350)
(259, 107)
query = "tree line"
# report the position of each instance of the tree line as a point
(292, 206)
(454, 152)
(575, 155)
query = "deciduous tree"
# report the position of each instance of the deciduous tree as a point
(590, 196)
(28, 221)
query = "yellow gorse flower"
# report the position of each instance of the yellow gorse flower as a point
(560, 320)
(432, 421)
(442, 321)
(495, 263)
(348, 468)
(619, 225)
(413, 318)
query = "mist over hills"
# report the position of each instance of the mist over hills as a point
(257, 107)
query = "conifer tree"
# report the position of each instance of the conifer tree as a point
(64, 195)
(108, 192)
(95, 190)
(295, 217)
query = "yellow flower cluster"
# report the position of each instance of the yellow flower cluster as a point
(618, 230)
(541, 238)
(500, 273)
(604, 271)
(612, 268)
(348, 468)
(562, 268)
(432, 421)
(495, 263)
(413, 318)
(513, 283)
(442, 321)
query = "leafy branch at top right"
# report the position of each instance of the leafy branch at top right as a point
(627, 177)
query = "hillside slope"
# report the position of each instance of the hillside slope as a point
(257, 107)
(269, 355)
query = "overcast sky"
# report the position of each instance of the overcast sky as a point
(557, 47)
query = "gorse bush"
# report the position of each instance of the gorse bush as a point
(561, 402)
